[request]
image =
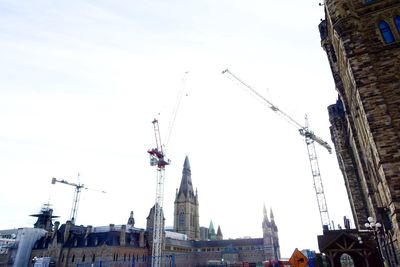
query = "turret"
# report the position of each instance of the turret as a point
(131, 220)
(67, 230)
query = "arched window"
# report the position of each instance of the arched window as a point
(387, 34)
(397, 22)
(346, 260)
(73, 258)
(83, 258)
(93, 258)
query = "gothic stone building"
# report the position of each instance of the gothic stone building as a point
(125, 245)
(196, 251)
(362, 42)
(72, 245)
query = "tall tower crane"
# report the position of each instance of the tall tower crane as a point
(75, 202)
(157, 158)
(309, 136)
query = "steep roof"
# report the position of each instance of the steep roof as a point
(219, 232)
(211, 229)
(186, 186)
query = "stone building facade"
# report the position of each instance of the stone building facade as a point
(200, 250)
(125, 245)
(362, 42)
(70, 245)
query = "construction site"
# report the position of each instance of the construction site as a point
(294, 153)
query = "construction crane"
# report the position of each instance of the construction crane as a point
(309, 137)
(157, 158)
(75, 202)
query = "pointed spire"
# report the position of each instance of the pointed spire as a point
(265, 214)
(186, 186)
(211, 232)
(219, 232)
(186, 164)
(271, 214)
(211, 227)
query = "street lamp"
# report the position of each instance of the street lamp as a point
(375, 227)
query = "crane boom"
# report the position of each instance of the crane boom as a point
(303, 130)
(309, 136)
(75, 201)
(157, 158)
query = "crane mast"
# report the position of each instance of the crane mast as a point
(75, 201)
(309, 137)
(157, 158)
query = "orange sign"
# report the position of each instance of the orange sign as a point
(298, 259)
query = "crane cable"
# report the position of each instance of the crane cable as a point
(176, 109)
(261, 98)
(303, 130)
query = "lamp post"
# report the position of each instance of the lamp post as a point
(375, 227)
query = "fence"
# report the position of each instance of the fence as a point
(166, 261)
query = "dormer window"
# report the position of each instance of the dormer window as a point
(386, 33)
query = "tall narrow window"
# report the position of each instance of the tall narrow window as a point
(397, 22)
(181, 219)
(387, 34)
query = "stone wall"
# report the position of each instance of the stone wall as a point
(366, 73)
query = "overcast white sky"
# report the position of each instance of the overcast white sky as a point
(81, 82)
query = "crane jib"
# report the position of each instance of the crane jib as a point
(310, 137)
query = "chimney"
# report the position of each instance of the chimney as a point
(141, 239)
(67, 230)
(56, 226)
(112, 227)
(122, 236)
(88, 230)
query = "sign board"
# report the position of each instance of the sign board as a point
(298, 259)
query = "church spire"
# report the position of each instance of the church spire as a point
(186, 206)
(219, 234)
(186, 186)
(271, 214)
(211, 232)
(266, 214)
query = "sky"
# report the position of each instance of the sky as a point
(82, 81)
